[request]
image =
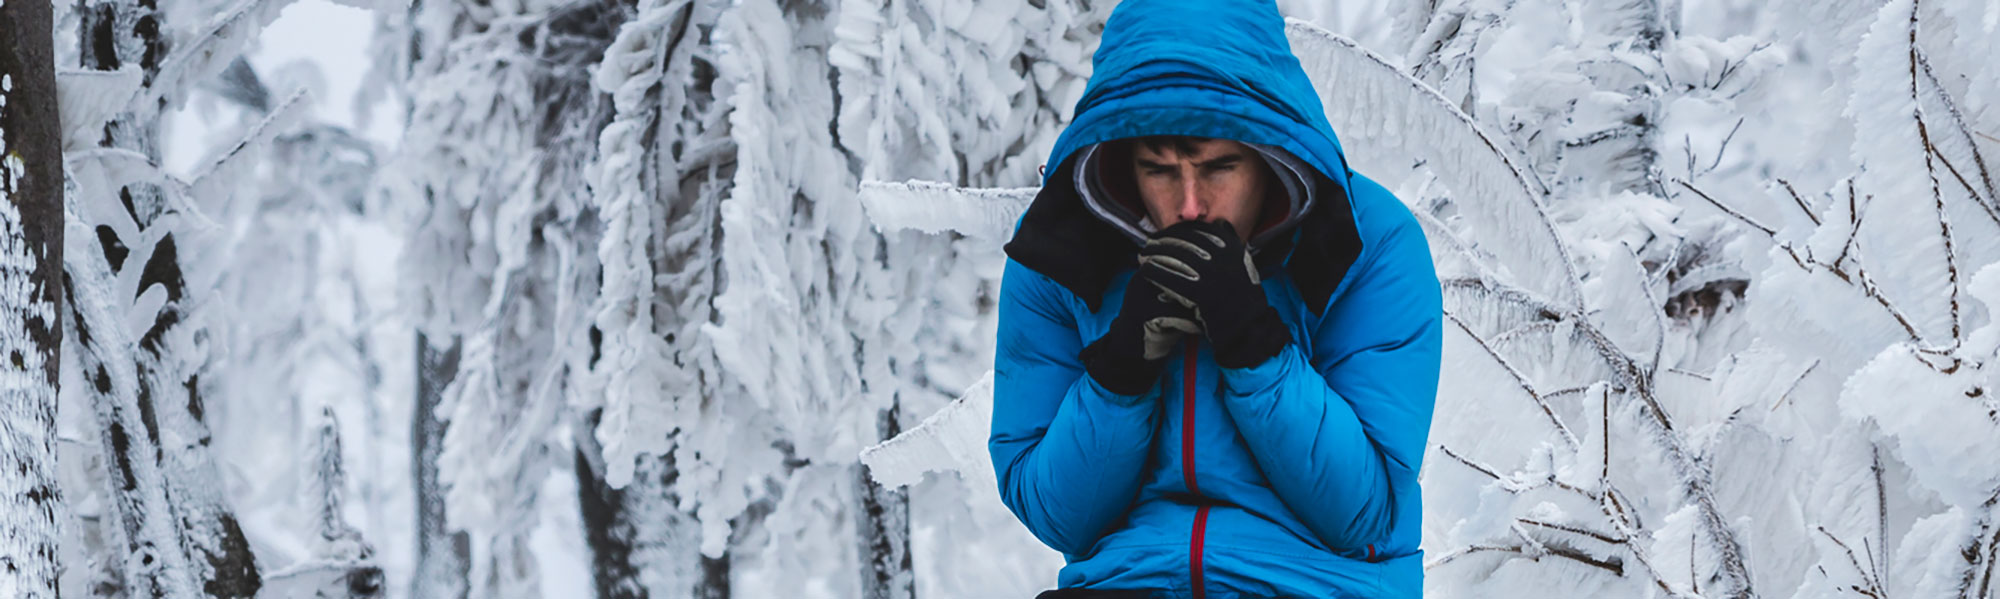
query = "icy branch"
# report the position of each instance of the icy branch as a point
(209, 180)
(953, 439)
(212, 49)
(934, 207)
(1366, 98)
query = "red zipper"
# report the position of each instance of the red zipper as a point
(1187, 469)
(1194, 557)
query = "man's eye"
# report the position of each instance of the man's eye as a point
(1158, 172)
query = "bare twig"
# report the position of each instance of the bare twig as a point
(1874, 585)
(1514, 485)
(1691, 374)
(1566, 391)
(1482, 468)
(1796, 199)
(1944, 222)
(1604, 415)
(1787, 394)
(1519, 379)
(1724, 149)
(1570, 553)
(1601, 536)
(1881, 505)
(1957, 121)
(1853, 223)
(1768, 231)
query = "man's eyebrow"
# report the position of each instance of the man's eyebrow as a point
(1220, 161)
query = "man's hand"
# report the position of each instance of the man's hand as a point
(1129, 357)
(1204, 266)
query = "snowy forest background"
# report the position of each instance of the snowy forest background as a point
(623, 297)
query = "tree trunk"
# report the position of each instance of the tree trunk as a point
(152, 563)
(442, 556)
(30, 322)
(167, 386)
(884, 528)
(642, 545)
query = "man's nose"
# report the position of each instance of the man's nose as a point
(1190, 206)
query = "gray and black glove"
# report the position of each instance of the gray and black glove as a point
(1129, 357)
(1205, 266)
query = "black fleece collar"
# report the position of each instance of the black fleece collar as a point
(1061, 239)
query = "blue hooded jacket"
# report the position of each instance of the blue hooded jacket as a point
(1293, 478)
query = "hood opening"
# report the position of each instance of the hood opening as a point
(1105, 183)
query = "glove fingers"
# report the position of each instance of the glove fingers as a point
(1158, 243)
(1213, 239)
(1171, 266)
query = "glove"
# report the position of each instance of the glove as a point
(1204, 266)
(1129, 357)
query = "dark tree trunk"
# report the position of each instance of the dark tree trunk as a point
(31, 228)
(884, 528)
(639, 535)
(442, 556)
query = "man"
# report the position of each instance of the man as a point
(1218, 348)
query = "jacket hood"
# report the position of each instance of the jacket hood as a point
(1219, 69)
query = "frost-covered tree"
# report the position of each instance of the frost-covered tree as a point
(31, 230)
(179, 535)
(156, 266)
(501, 121)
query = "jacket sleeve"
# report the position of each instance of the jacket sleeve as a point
(1069, 454)
(1335, 434)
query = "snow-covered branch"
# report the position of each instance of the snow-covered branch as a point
(1371, 102)
(934, 207)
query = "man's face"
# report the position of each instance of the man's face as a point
(1206, 180)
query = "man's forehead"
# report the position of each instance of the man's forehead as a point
(1188, 148)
